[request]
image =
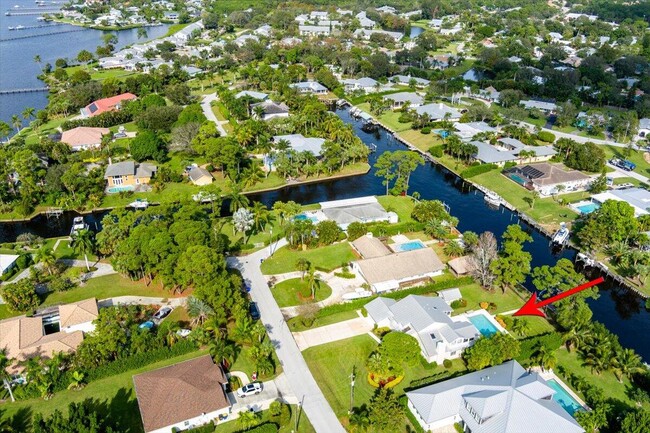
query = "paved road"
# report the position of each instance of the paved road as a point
(298, 376)
(209, 114)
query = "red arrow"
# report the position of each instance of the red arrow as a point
(532, 307)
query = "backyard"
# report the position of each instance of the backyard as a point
(324, 259)
(296, 291)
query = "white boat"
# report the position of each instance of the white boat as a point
(562, 235)
(357, 294)
(78, 224)
(20, 27)
(492, 198)
(588, 261)
(140, 203)
(12, 28)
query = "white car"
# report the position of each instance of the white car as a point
(250, 389)
(162, 313)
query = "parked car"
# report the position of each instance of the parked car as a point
(250, 389)
(162, 313)
(623, 163)
(254, 311)
(146, 325)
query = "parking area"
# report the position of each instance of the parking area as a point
(255, 402)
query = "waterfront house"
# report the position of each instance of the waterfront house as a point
(544, 107)
(56, 329)
(502, 399)
(107, 104)
(200, 176)
(638, 198)
(427, 319)
(366, 34)
(511, 150)
(7, 262)
(84, 138)
(364, 21)
(398, 270)
(128, 175)
(548, 179)
(313, 87)
(270, 110)
(438, 111)
(309, 30)
(407, 80)
(365, 84)
(398, 100)
(300, 143)
(361, 209)
(469, 130)
(184, 35)
(182, 396)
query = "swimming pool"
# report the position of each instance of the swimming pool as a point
(409, 246)
(303, 217)
(587, 208)
(115, 189)
(518, 179)
(484, 326)
(563, 398)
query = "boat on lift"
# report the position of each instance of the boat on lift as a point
(492, 198)
(561, 237)
(78, 224)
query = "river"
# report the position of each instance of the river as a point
(17, 66)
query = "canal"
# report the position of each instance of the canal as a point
(620, 310)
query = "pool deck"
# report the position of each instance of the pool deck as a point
(576, 206)
(549, 374)
(488, 316)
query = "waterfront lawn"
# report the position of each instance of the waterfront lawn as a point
(401, 205)
(422, 141)
(296, 325)
(325, 259)
(642, 167)
(389, 118)
(474, 294)
(114, 396)
(295, 291)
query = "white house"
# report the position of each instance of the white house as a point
(313, 87)
(427, 319)
(546, 107)
(638, 198)
(308, 30)
(7, 262)
(270, 110)
(644, 127)
(502, 399)
(398, 100)
(407, 80)
(360, 209)
(511, 150)
(365, 84)
(181, 396)
(548, 179)
(367, 33)
(438, 112)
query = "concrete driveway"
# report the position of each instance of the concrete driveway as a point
(334, 332)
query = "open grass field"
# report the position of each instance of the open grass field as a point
(295, 291)
(327, 258)
(419, 140)
(114, 396)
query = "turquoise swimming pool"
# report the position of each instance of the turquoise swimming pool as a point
(409, 246)
(588, 208)
(484, 326)
(303, 217)
(518, 179)
(563, 398)
(115, 189)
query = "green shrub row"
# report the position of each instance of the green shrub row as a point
(475, 170)
(264, 428)
(104, 120)
(384, 229)
(417, 428)
(528, 346)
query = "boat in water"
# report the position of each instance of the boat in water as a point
(357, 294)
(139, 203)
(561, 237)
(492, 198)
(78, 224)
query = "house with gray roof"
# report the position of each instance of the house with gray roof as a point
(364, 21)
(644, 127)
(129, 176)
(511, 150)
(427, 319)
(252, 94)
(398, 100)
(469, 130)
(366, 84)
(300, 143)
(502, 399)
(182, 36)
(407, 79)
(360, 209)
(438, 111)
(309, 30)
(546, 107)
(367, 33)
(312, 87)
(638, 198)
(269, 110)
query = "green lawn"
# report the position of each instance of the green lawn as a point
(402, 206)
(244, 363)
(296, 325)
(304, 426)
(295, 291)
(327, 258)
(475, 294)
(642, 167)
(419, 140)
(114, 394)
(389, 118)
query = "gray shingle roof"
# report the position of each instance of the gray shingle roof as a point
(123, 168)
(438, 111)
(405, 79)
(300, 143)
(413, 98)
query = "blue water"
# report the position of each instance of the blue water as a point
(303, 217)
(563, 398)
(588, 208)
(409, 246)
(484, 326)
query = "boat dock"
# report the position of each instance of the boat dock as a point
(53, 212)
(28, 90)
(60, 32)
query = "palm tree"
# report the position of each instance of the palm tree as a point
(453, 249)
(198, 310)
(37, 59)
(5, 362)
(222, 351)
(237, 199)
(545, 357)
(251, 175)
(77, 381)
(258, 332)
(248, 419)
(359, 421)
(303, 266)
(626, 363)
(16, 122)
(28, 113)
(617, 250)
(313, 281)
(5, 130)
(243, 329)
(47, 258)
(576, 337)
(84, 242)
(520, 326)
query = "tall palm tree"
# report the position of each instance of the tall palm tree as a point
(5, 362)
(237, 199)
(520, 326)
(84, 242)
(260, 215)
(47, 258)
(626, 363)
(16, 122)
(313, 281)
(545, 357)
(37, 59)
(28, 113)
(5, 130)
(222, 351)
(248, 419)
(303, 266)
(198, 310)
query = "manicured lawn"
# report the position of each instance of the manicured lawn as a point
(633, 181)
(295, 323)
(419, 140)
(217, 113)
(327, 258)
(389, 118)
(475, 294)
(114, 395)
(537, 325)
(5, 312)
(295, 291)
(402, 206)
(244, 363)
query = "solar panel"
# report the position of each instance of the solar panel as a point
(531, 172)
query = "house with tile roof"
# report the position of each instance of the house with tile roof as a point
(107, 104)
(78, 316)
(427, 319)
(181, 396)
(501, 399)
(84, 137)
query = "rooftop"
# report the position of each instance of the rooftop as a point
(399, 266)
(84, 136)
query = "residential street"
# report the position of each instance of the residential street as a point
(299, 377)
(207, 111)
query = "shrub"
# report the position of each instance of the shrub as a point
(264, 428)
(436, 151)
(484, 305)
(426, 130)
(475, 170)
(20, 296)
(356, 230)
(509, 164)
(380, 332)
(552, 340)
(447, 363)
(60, 284)
(546, 137)
(104, 120)
(459, 303)
(23, 261)
(501, 322)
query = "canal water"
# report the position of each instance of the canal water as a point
(18, 70)
(620, 310)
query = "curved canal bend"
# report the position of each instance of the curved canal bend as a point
(620, 310)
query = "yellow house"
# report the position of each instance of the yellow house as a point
(128, 175)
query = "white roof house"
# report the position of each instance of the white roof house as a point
(428, 320)
(438, 111)
(644, 127)
(367, 33)
(361, 209)
(300, 143)
(547, 107)
(638, 198)
(308, 30)
(399, 99)
(364, 21)
(7, 261)
(366, 84)
(252, 94)
(469, 130)
(406, 79)
(309, 87)
(501, 399)
(510, 150)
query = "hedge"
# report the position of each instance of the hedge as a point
(382, 229)
(104, 120)
(414, 422)
(528, 346)
(436, 151)
(475, 170)
(546, 137)
(428, 288)
(264, 428)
